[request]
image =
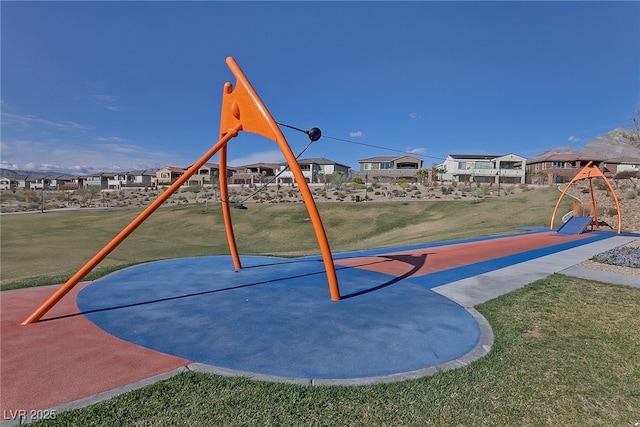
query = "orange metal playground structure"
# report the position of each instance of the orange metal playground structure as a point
(589, 172)
(242, 110)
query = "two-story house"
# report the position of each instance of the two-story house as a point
(315, 170)
(99, 180)
(255, 172)
(168, 175)
(507, 168)
(559, 168)
(390, 168)
(16, 183)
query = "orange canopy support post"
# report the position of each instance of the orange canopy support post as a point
(226, 210)
(242, 109)
(241, 105)
(589, 172)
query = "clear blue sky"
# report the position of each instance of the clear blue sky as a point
(126, 85)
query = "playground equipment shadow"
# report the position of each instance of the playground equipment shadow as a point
(405, 313)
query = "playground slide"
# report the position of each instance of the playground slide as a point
(575, 225)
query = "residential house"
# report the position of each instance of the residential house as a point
(99, 180)
(50, 182)
(390, 168)
(5, 183)
(21, 182)
(133, 179)
(168, 175)
(116, 181)
(623, 165)
(315, 170)
(507, 168)
(140, 178)
(559, 168)
(249, 174)
(208, 174)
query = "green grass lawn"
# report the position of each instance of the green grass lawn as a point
(566, 350)
(38, 249)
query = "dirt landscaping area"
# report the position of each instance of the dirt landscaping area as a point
(347, 192)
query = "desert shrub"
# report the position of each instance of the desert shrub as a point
(612, 212)
(623, 256)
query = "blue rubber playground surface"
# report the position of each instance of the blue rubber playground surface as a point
(274, 317)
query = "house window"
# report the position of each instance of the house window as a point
(407, 166)
(366, 166)
(386, 165)
(559, 165)
(462, 165)
(483, 165)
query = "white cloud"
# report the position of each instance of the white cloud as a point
(356, 134)
(419, 150)
(73, 158)
(414, 116)
(30, 121)
(108, 102)
(272, 156)
(574, 139)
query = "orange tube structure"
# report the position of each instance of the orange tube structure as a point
(243, 104)
(226, 210)
(589, 172)
(242, 109)
(102, 254)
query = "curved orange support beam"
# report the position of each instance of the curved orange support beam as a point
(226, 210)
(589, 172)
(241, 110)
(109, 247)
(242, 106)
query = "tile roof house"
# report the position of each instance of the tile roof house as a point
(559, 168)
(390, 168)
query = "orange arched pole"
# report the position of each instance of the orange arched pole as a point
(226, 211)
(242, 109)
(589, 172)
(243, 105)
(102, 254)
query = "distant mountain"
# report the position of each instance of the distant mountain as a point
(561, 150)
(8, 173)
(617, 143)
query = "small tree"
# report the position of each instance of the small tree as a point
(338, 180)
(89, 193)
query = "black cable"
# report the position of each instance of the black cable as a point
(314, 134)
(383, 148)
(264, 186)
